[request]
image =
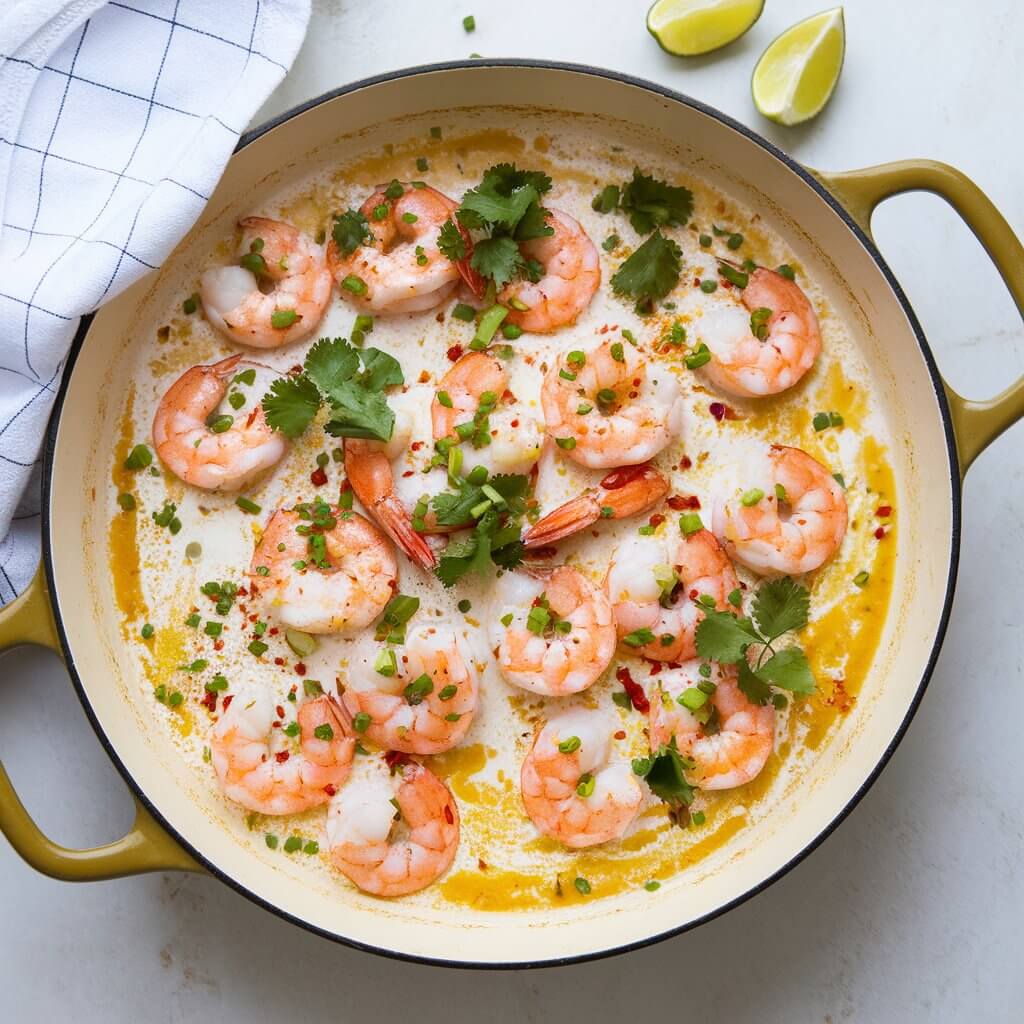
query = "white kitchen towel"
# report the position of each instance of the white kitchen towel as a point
(116, 120)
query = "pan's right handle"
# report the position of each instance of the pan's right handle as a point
(147, 847)
(975, 424)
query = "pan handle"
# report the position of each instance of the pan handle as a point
(147, 847)
(975, 424)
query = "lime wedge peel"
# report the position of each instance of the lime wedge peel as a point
(688, 28)
(797, 74)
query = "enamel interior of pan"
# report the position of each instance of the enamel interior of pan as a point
(927, 496)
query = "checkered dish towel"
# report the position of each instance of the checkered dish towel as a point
(116, 120)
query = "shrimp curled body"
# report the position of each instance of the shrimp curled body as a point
(795, 527)
(285, 782)
(570, 758)
(655, 587)
(736, 750)
(410, 715)
(293, 267)
(362, 827)
(606, 409)
(401, 269)
(553, 630)
(344, 596)
(215, 461)
(571, 273)
(743, 364)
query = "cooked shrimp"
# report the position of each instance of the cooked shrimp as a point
(341, 596)
(216, 461)
(365, 833)
(401, 269)
(472, 394)
(604, 409)
(571, 272)
(622, 493)
(287, 263)
(796, 524)
(654, 587)
(368, 465)
(553, 630)
(731, 752)
(420, 702)
(569, 758)
(258, 766)
(744, 364)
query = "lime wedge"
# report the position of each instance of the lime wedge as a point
(795, 76)
(689, 27)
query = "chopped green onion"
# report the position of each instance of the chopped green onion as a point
(421, 164)
(638, 638)
(418, 689)
(586, 784)
(191, 304)
(248, 506)
(469, 23)
(610, 243)
(570, 745)
(147, 631)
(445, 399)
(324, 732)
(698, 357)
(708, 286)
(395, 189)
(606, 200)
(126, 501)
(692, 698)
(303, 644)
(751, 497)
(411, 218)
(583, 887)
(355, 285)
(257, 647)
(735, 241)
(361, 722)
(690, 523)
(282, 318)
(566, 443)
(138, 458)
(464, 312)
(733, 276)
(490, 321)
(511, 331)
(786, 271)
(861, 579)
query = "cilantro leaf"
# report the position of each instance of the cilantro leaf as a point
(473, 554)
(361, 413)
(789, 670)
(350, 231)
(652, 271)
(453, 508)
(330, 362)
(504, 179)
(651, 203)
(512, 487)
(509, 554)
(722, 636)
(533, 224)
(780, 606)
(496, 258)
(450, 241)
(380, 370)
(666, 776)
(755, 689)
(291, 404)
(499, 209)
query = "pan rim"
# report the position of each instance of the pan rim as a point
(49, 452)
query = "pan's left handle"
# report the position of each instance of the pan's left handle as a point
(146, 847)
(975, 424)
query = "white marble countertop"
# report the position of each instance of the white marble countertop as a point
(911, 910)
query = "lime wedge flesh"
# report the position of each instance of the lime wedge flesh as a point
(795, 76)
(687, 28)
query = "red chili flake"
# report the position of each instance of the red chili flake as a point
(481, 864)
(514, 424)
(408, 472)
(330, 789)
(448, 816)
(297, 368)
(294, 689)
(227, 701)
(693, 595)
(318, 477)
(679, 502)
(218, 645)
(717, 410)
(880, 533)
(300, 669)
(507, 396)
(454, 353)
(279, 661)
(696, 282)
(280, 711)
(686, 462)
(273, 631)
(209, 702)
(725, 283)
(621, 734)
(275, 724)
(242, 592)
(884, 511)
(625, 475)
(603, 330)
(281, 756)
(656, 520)
(252, 416)
(633, 689)
(416, 445)
(656, 667)
(394, 758)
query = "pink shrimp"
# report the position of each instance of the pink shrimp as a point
(282, 780)
(736, 749)
(365, 833)
(569, 789)
(221, 460)
(654, 587)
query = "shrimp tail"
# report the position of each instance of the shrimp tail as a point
(624, 492)
(225, 367)
(391, 514)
